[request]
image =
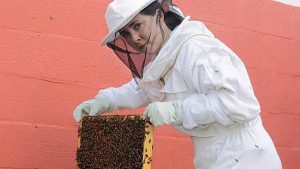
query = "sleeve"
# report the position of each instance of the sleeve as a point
(223, 90)
(126, 96)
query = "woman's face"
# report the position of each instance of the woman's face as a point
(143, 31)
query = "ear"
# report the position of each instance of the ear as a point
(166, 5)
(160, 14)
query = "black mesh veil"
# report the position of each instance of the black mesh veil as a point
(134, 60)
(137, 59)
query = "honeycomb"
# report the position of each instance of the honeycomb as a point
(114, 142)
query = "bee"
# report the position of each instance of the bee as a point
(112, 141)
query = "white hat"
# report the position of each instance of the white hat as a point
(119, 13)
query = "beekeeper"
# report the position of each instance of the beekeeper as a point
(188, 79)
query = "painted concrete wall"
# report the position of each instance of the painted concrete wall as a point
(51, 61)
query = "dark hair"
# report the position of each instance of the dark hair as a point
(171, 19)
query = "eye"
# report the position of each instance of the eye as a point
(124, 34)
(137, 26)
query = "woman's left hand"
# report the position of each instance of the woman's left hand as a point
(161, 113)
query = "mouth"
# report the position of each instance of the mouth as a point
(143, 47)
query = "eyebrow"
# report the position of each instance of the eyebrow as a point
(132, 23)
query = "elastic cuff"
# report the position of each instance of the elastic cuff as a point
(178, 111)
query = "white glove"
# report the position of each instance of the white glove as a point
(93, 107)
(164, 112)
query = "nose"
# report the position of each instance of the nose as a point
(135, 40)
(135, 37)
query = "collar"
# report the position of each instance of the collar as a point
(166, 57)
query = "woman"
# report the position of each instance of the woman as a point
(188, 79)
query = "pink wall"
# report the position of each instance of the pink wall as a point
(51, 61)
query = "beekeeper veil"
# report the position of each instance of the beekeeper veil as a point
(118, 14)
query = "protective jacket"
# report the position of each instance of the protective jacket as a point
(221, 112)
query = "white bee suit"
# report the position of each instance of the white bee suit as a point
(221, 112)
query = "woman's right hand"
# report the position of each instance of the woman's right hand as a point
(92, 107)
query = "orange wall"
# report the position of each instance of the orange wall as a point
(51, 61)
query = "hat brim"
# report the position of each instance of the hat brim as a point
(112, 35)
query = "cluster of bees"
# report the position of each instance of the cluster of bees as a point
(111, 142)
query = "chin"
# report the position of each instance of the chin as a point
(152, 49)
